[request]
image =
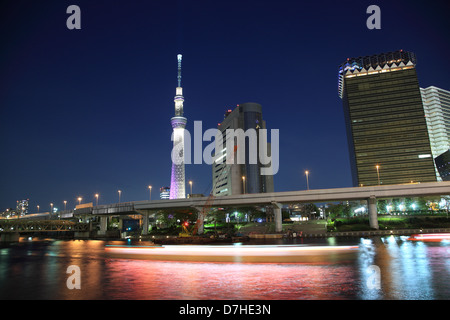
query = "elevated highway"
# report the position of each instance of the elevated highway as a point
(318, 195)
(274, 199)
(278, 199)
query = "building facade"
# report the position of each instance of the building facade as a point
(385, 121)
(240, 178)
(436, 103)
(443, 165)
(164, 193)
(22, 207)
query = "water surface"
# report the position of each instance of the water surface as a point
(380, 268)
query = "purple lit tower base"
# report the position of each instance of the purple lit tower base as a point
(177, 181)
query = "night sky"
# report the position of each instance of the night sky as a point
(88, 111)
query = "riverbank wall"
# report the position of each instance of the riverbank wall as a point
(404, 232)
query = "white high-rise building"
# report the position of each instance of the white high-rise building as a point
(164, 193)
(436, 104)
(177, 181)
(231, 179)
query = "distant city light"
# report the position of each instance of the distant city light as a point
(360, 210)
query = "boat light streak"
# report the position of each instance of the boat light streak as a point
(431, 237)
(232, 250)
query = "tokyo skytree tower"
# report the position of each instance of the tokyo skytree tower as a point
(177, 181)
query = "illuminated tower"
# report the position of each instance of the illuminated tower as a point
(177, 181)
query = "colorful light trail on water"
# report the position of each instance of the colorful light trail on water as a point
(430, 237)
(229, 253)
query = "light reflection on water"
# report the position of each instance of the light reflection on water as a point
(408, 270)
(416, 269)
(232, 281)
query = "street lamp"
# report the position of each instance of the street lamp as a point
(65, 204)
(38, 208)
(96, 199)
(79, 200)
(243, 183)
(120, 192)
(150, 190)
(51, 208)
(378, 173)
(190, 184)
(307, 179)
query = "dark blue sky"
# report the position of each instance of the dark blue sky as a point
(87, 111)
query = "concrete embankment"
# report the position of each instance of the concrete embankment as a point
(318, 230)
(405, 232)
(9, 237)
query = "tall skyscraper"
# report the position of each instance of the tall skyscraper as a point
(177, 181)
(230, 179)
(436, 103)
(385, 120)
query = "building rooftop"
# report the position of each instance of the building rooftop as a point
(383, 62)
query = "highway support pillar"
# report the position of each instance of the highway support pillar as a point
(145, 224)
(200, 220)
(277, 216)
(103, 225)
(373, 218)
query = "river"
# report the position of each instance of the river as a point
(378, 268)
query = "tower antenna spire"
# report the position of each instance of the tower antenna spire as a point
(179, 56)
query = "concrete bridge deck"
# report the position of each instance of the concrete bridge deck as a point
(314, 195)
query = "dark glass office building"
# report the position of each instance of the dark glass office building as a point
(443, 165)
(386, 127)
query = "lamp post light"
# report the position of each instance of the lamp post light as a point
(65, 205)
(378, 173)
(79, 200)
(307, 179)
(243, 183)
(38, 208)
(96, 199)
(51, 208)
(190, 184)
(120, 193)
(150, 191)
